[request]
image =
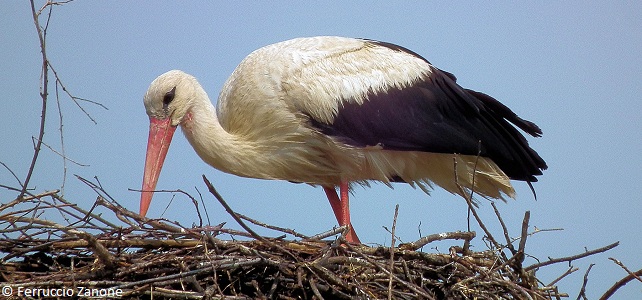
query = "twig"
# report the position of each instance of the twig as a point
(582, 293)
(504, 228)
(522, 241)
(469, 200)
(409, 285)
(568, 272)
(281, 229)
(229, 210)
(620, 283)
(392, 252)
(74, 98)
(315, 290)
(220, 265)
(619, 263)
(12, 174)
(101, 252)
(572, 257)
(43, 95)
(331, 232)
(457, 235)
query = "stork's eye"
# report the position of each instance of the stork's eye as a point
(169, 96)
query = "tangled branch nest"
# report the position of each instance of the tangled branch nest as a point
(137, 257)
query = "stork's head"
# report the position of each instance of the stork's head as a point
(167, 100)
(169, 96)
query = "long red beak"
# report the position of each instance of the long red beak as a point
(160, 136)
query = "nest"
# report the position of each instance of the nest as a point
(88, 255)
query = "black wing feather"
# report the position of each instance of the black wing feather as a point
(437, 115)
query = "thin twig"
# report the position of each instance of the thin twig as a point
(392, 251)
(229, 210)
(276, 228)
(582, 293)
(620, 283)
(572, 257)
(457, 235)
(44, 85)
(568, 272)
(619, 263)
(504, 229)
(329, 233)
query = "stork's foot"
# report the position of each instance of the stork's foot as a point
(341, 208)
(352, 237)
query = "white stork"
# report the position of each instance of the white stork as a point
(332, 111)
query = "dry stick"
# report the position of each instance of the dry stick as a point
(620, 283)
(409, 285)
(327, 275)
(392, 252)
(331, 232)
(61, 283)
(62, 141)
(472, 187)
(229, 210)
(276, 228)
(456, 235)
(86, 213)
(482, 225)
(233, 264)
(521, 254)
(571, 258)
(66, 213)
(619, 263)
(314, 288)
(101, 251)
(43, 94)
(72, 243)
(39, 245)
(154, 223)
(31, 197)
(74, 98)
(194, 202)
(469, 201)
(522, 242)
(585, 281)
(162, 293)
(569, 271)
(12, 174)
(509, 244)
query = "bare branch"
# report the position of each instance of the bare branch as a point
(392, 251)
(582, 293)
(44, 84)
(620, 283)
(572, 257)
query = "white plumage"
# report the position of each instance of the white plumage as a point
(330, 110)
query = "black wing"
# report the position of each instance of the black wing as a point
(437, 115)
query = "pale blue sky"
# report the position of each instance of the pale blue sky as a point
(574, 69)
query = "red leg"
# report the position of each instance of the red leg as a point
(341, 208)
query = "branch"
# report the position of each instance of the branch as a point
(457, 235)
(571, 258)
(43, 94)
(622, 282)
(229, 210)
(584, 282)
(392, 252)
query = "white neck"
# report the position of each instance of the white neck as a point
(210, 140)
